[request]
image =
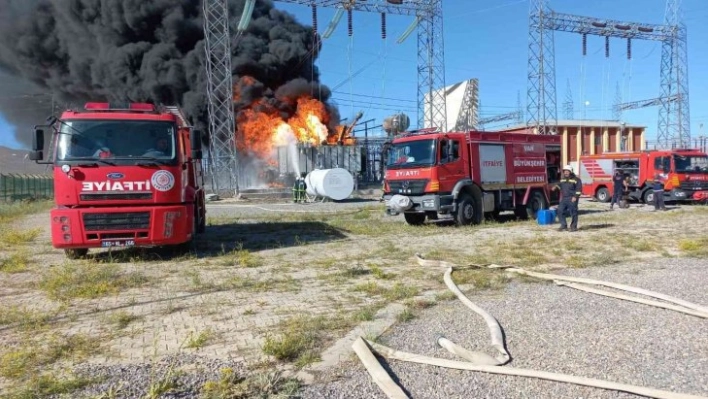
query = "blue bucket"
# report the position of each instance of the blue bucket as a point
(546, 217)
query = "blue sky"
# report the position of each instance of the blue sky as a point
(488, 40)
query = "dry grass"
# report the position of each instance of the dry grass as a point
(230, 385)
(10, 212)
(88, 281)
(16, 262)
(301, 338)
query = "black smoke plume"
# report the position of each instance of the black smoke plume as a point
(140, 50)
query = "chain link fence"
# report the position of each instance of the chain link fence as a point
(18, 187)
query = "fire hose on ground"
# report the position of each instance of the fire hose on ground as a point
(482, 362)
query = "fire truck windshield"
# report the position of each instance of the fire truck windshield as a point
(123, 142)
(411, 154)
(691, 164)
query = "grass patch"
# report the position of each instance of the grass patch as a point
(24, 318)
(280, 284)
(696, 248)
(230, 385)
(35, 356)
(481, 278)
(240, 257)
(198, 340)
(12, 211)
(19, 237)
(397, 292)
(406, 315)
(88, 281)
(379, 273)
(17, 262)
(122, 319)
(302, 337)
(47, 385)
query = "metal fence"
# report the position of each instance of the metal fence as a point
(16, 187)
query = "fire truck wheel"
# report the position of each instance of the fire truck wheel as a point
(76, 253)
(414, 219)
(536, 203)
(468, 211)
(648, 197)
(201, 227)
(603, 194)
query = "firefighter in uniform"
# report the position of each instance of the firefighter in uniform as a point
(570, 188)
(299, 189)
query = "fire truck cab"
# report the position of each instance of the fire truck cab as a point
(684, 173)
(124, 175)
(469, 175)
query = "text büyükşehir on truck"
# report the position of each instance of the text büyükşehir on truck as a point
(469, 175)
(124, 175)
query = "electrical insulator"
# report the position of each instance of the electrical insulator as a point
(349, 21)
(314, 18)
(585, 44)
(607, 47)
(629, 48)
(383, 25)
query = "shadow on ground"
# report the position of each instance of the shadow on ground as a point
(224, 238)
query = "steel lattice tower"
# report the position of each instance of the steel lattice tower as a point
(431, 56)
(223, 161)
(674, 116)
(542, 107)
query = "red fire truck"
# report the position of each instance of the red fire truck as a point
(467, 175)
(124, 175)
(684, 173)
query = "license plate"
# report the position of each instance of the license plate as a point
(118, 243)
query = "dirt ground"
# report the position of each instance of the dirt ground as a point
(274, 285)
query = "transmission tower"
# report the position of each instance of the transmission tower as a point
(431, 55)
(568, 110)
(674, 126)
(223, 162)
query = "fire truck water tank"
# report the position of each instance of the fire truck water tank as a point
(336, 183)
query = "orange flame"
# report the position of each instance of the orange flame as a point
(261, 127)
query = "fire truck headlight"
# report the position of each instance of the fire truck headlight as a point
(65, 228)
(67, 237)
(429, 203)
(63, 219)
(65, 168)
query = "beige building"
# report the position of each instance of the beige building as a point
(587, 137)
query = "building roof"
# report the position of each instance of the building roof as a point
(579, 123)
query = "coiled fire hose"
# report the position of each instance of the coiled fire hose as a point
(477, 361)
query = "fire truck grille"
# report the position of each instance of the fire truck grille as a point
(115, 196)
(409, 187)
(116, 221)
(694, 185)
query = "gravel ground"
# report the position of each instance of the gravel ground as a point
(556, 329)
(186, 374)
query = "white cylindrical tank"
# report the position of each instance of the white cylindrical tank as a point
(336, 183)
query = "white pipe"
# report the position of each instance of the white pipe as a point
(484, 363)
(492, 323)
(589, 382)
(649, 302)
(377, 372)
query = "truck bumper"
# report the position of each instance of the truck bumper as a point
(121, 227)
(677, 195)
(697, 195)
(422, 203)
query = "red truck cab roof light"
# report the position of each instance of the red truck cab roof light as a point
(143, 107)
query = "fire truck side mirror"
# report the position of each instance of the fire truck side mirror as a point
(196, 143)
(37, 153)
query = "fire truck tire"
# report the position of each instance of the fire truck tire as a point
(648, 197)
(76, 253)
(201, 218)
(468, 211)
(603, 194)
(536, 203)
(414, 219)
